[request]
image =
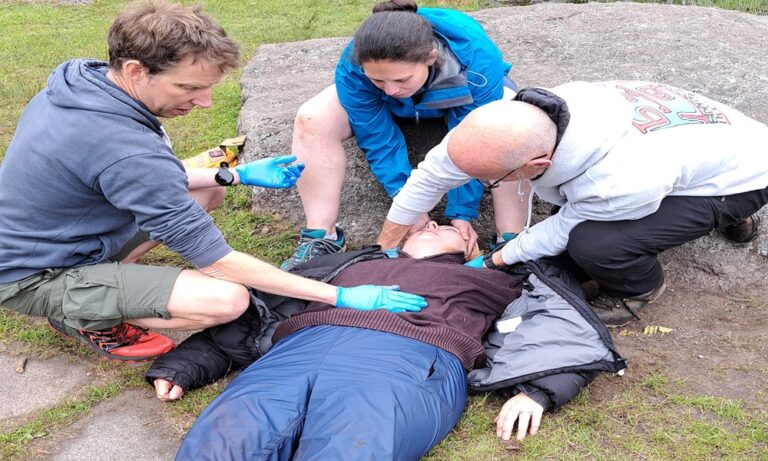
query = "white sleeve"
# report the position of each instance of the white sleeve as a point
(433, 177)
(546, 238)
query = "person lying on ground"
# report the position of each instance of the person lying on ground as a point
(349, 384)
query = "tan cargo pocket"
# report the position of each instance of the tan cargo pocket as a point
(92, 293)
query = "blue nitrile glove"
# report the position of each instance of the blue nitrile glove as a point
(476, 263)
(271, 172)
(392, 253)
(370, 297)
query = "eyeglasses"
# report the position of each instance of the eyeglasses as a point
(497, 183)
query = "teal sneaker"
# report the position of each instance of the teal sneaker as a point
(312, 243)
(506, 236)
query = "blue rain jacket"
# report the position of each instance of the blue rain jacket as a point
(371, 111)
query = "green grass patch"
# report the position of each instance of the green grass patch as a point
(652, 419)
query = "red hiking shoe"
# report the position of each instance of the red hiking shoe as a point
(123, 342)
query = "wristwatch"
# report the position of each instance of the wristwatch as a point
(488, 261)
(224, 177)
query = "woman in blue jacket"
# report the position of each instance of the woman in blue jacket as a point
(408, 62)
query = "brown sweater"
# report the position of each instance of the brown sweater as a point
(462, 303)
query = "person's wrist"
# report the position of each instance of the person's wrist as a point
(224, 176)
(489, 263)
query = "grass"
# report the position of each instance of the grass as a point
(654, 418)
(14, 443)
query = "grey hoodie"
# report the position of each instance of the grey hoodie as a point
(86, 169)
(626, 147)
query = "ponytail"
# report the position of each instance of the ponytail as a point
(394, 33)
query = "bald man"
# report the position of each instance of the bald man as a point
(635, 168)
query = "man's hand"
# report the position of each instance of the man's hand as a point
(370, 297)
(272, 172)
(468, 233)
(167, 391)
(391, 234)
(522, 409)
(418, 225)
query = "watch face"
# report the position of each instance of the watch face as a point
(224, 177)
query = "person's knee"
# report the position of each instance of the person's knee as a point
(589, 244)
(309, 122)
(228, 303)
(210, 198)
(321, 119)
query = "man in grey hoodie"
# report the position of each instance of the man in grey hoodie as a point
(635, 168)
(90, 170)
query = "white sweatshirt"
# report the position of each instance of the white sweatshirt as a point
(627, 146)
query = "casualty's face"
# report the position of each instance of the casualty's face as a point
(398, 79)
(434, 239)
(177, 91)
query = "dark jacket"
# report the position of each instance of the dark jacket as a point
(530, 358)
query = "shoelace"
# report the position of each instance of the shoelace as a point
(118, 336)
(314, 247)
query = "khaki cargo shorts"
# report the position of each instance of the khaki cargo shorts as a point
(93, 297)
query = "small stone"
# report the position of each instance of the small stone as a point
(265, 230)
(21, 365)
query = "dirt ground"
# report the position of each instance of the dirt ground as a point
(717, 345)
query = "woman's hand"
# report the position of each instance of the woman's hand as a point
(468, 233)
(167, 391)
(522, 409)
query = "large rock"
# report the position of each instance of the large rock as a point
(714, 52)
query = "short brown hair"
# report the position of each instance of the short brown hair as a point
(160, 34)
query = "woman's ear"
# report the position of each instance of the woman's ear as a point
(432, 57)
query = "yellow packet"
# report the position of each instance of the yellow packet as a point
(228, 151)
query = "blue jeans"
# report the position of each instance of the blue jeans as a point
(332, 393)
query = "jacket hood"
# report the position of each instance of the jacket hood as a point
(82, 84)
(593, 129)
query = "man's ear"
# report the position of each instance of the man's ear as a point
(133, 70)
(536, 167)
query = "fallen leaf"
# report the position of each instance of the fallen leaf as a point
(653, 329)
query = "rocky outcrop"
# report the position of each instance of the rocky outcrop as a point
(714, 52)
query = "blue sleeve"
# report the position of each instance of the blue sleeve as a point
(377, 134)
(462, 202)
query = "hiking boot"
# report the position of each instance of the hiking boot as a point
(312, 243)
(743, 231)
(495, 243)
(124, 342)
(617, 312)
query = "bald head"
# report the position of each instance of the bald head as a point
(499, 137)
